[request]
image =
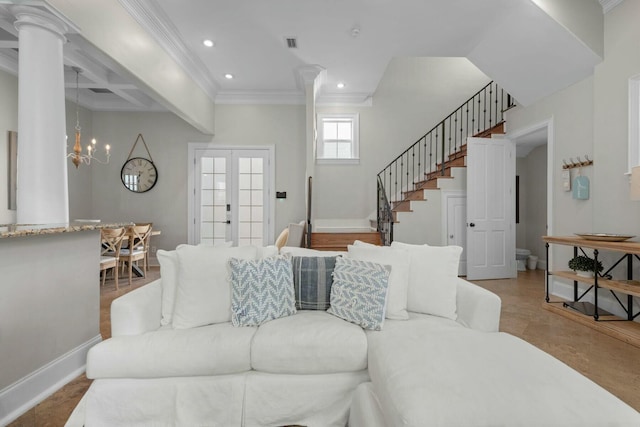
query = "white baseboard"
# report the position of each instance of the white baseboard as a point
(542, 265)
(27, 392)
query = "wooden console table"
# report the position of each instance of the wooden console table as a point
(623, 290)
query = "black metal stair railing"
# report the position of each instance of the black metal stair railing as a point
(428, 156)
(385, 216)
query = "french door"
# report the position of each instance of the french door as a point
(231, 196)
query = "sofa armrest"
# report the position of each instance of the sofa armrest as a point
(137, 312)
(477, 308)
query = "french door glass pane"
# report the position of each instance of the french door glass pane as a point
(250, 198)
(213, 199)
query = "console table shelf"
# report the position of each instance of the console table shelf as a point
(622, 289)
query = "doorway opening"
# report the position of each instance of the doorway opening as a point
(533, 194)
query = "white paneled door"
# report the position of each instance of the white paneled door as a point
(231, 196)
(490, 209)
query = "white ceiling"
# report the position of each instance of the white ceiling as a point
(249, 37)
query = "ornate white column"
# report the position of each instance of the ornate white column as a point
(42, 194)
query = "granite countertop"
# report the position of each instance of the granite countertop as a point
(20, 230)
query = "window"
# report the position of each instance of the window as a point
(337, 138)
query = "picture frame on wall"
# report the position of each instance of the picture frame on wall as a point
(12, 168)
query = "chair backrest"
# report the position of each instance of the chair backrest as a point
(111, 240)
(139, 236)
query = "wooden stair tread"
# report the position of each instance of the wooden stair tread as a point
(340, 241)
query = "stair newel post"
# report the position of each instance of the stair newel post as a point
(449, 138)
(430, 152)
(388, 188)
(395, 180)
(419, 162)
(479, 108)
(378, 210)
(413, 167)
(490, 105)
(442, 150)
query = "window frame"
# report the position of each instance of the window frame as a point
(354, 118)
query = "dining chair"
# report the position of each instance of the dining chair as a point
(137, 236)
(147, 242)
(111, 243)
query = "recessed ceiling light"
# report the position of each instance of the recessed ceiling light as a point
(208, 43)
(228, 76)
(340, 85)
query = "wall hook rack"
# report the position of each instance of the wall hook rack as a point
(571, 164)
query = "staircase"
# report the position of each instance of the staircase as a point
(438, 159)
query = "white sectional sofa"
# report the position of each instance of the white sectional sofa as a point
(315, 369)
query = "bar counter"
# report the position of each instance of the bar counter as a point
(21, 230)
(49, 308)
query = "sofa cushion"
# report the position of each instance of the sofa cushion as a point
(309, 342)
(203, 294)
(436, 373)
(312, 279)
(433, 271)
(398, 279)
(359, 292)
(262, 290)
(208, 350)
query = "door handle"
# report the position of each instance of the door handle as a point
(472, 225)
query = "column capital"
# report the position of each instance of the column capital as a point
(33, 16)
(308, 75)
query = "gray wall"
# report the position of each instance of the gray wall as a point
(412, 97)
(532, 170)
(167, 137)
(8, 121)
(282, 126)
(591, 117)
(165, 205)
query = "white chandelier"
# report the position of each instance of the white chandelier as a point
(77, 157)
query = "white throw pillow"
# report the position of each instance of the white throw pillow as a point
(266, 251)
(398, 279)
(168, 261)
(203, 294)
(361, 243)
(433, 271)
(293, 251)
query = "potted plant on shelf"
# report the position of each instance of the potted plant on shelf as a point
(584, 266)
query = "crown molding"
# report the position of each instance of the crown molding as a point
(343, 100)
(154, 20)
(307, 74)
(292, 98)
(607, 5)
(262, 98)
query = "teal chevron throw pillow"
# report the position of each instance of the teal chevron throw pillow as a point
(262, 290)
(359, 292)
